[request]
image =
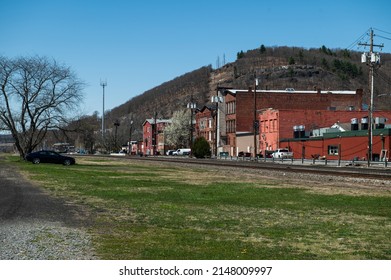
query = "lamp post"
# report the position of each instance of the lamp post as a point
(130, 137)
(116, 124)
(103, 85)
(216, 99)
(191, 105)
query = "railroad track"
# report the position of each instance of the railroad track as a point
(357, 172)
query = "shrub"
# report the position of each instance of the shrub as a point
(201, 148)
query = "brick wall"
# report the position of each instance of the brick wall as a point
(303, 101)
(311, 119)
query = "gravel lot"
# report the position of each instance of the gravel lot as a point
(35, 226)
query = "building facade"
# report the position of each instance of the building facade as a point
(346, 145)
(242, 105)
(206, 125)
(278, 124)
(153, 136)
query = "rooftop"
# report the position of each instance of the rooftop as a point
(292, 91)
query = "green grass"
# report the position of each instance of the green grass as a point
(152, 211)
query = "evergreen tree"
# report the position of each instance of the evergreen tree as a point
(201, 148)
(262, 49)
(240, 55)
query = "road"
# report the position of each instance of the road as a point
(21, 200)
(34, 225)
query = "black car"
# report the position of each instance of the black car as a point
(49, 157)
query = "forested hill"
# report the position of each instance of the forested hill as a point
(276, 67)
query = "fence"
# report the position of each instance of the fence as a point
(325, 162)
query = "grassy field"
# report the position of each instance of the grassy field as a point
(155, 211)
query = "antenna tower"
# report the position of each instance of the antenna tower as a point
(103, 85)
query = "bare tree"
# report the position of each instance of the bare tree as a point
(36, 95)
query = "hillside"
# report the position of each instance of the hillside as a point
(276, 67)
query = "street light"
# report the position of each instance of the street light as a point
(116, 124)
(130, 137)
(191, 105)
(216, 99)
(103, 84)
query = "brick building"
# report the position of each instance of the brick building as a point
(238, 132)
(206, 124)
(277, 124)
(294, 129)
(153, 136)
(346, 145)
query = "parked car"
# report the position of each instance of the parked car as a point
(49, 157)
(170, 152)
(182, 152)
(244, 154)
(282, 153)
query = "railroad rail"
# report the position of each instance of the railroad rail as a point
(346, 171)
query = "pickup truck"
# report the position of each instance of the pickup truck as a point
(282, 153)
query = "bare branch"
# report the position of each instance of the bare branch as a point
(37, 94)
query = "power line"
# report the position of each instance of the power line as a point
(383, 37)
(382, 31)
(383, 76)
(352, 45)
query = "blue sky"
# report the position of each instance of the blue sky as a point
(137, 45)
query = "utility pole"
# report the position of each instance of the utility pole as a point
(372, 59)
(103, 85)
(255, 121)
(216, 99)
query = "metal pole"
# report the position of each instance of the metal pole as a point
(216, 124)
(255, 118)
(154, 135)
(103, 84)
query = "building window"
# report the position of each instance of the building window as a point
(230, 107)
(202, 124)
(333, 150)
(230, 126)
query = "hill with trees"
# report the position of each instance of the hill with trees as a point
(275, 67)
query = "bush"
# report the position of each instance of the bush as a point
(201, 148)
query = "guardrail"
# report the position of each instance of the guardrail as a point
(325, 162)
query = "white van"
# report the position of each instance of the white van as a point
(182, 152)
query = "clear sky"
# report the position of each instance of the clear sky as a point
(137, 45)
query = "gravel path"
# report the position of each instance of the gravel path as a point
(35, 226)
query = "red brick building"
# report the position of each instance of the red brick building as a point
(240, 104)
(346, 145)
(206, 125)
(281, 128)
(277, 124)
(153, 137)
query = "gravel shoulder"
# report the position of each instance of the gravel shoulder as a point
(36, 226)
